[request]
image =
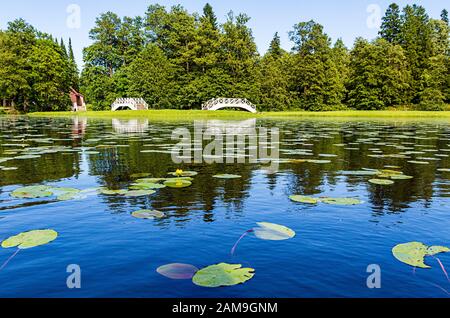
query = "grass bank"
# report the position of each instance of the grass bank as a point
(185, 115)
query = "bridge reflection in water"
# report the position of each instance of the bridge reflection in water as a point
(131, 126)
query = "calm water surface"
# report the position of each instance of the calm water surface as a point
(119, 254)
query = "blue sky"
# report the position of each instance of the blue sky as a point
(346, 19)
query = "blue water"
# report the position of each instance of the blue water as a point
(334, 245)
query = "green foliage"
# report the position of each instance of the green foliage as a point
(392, 25)
(379, 76)
(151, 76)
(35, 70)
(316, 78)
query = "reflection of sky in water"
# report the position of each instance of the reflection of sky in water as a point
(328, 257)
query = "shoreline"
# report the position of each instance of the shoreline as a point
(180, 115)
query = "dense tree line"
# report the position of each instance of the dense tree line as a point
(175, 59)
(36, 70)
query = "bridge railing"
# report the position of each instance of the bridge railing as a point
(128, 101)
(227, 101)
(132, 103)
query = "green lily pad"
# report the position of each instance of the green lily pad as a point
(67, 196)
(341, 201)
(223, 275)
(381, 182)
(304, 199)
(139, 193)
(32, 192)
(319, 161)
(227, 176)
(25, 157)
(112, 192)
(401, 177)
(177, 183)
(8, 168)
(184, 174)
(273, 232)
(148, 214)
(419, 162)
(360, 173)
(147, 186)
(414, 253)
(150, 180)
(30, 239)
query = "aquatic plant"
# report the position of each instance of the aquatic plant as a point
(27, 240)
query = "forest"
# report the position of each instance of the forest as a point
(175, 59)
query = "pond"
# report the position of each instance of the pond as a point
(351, 190)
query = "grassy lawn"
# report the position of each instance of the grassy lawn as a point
(176, 115)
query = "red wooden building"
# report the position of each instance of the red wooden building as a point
(78, 104)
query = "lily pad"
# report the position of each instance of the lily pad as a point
(414, 253)
(30, 239)
(223, 275)
(139, 193)
(32, 192)
(381, 182)
(319, 161)
(360, 173)
(419, 162)
(177, 183)
(341, 201)
(147, 186)
(112, 192)
(227, 176)
(177, 271)
(148, 214)
(150, 180)
(401, 177)
(273, 232)
(181, 173)
(304, 199)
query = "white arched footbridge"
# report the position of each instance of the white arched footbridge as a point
(129, 104)
(220, 103)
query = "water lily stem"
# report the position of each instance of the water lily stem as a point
(9, 259)
(233, 250)
(442, 267)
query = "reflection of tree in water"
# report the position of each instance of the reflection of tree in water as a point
(50, 166)
(114, 166)
(309, 179)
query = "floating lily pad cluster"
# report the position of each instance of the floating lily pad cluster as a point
(35, 192)
(327, 200)
(224, 274)
(381, 177)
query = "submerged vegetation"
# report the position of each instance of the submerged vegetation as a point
(178, 60)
